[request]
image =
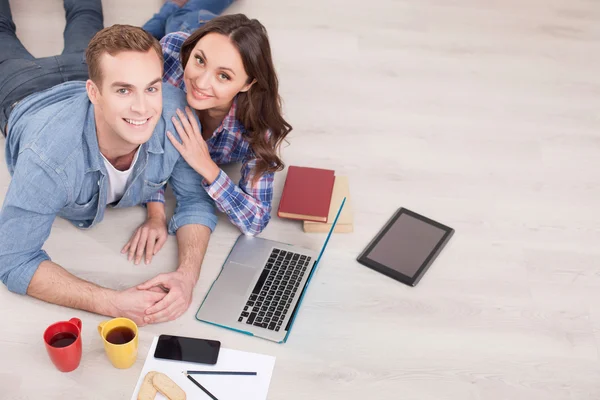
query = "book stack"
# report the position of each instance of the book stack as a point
(314, 196)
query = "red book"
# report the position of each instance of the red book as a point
(306, 194)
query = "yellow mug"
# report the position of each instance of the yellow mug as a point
(120, 337)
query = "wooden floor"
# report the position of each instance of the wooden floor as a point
(483, 115)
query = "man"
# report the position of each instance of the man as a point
(75, 146)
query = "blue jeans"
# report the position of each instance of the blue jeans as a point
(193, 15)
(21, 74)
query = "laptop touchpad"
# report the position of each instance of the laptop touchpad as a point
(250, 252)
(238, 278)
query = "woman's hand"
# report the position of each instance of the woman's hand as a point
(193, 148)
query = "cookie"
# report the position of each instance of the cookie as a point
(147, 390)
(167, 387)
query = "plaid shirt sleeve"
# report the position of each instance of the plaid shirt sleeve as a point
(158, 197)
(248, 207)
(171, 47)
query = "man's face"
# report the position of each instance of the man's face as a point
(128, 103)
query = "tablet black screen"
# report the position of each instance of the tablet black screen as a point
(406, 246)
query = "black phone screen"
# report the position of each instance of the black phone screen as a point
(180, 348)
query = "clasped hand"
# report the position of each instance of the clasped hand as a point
(163, 298)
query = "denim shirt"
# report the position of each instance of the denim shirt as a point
(57, 170)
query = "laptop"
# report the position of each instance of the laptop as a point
(261, 286)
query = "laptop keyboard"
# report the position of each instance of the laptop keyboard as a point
(270, 300)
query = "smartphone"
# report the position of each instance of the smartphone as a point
(178, 348)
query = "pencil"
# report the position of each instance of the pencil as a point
(221, 373)
(201, 387)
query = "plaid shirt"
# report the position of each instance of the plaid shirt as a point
(248, 207)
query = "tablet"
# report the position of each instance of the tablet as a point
(406, 246)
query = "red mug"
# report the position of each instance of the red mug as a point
(63, 343)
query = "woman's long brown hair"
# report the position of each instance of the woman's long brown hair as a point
(258, 109)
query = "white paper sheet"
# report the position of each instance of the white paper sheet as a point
(223, 387)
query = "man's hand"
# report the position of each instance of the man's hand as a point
(133, 303)
(180, 286)
(150, 236)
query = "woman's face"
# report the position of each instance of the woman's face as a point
(214, 73)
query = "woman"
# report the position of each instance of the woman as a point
(226, 69)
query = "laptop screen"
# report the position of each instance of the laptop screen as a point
(330, 232)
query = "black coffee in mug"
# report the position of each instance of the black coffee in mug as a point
(120, 335)
(62, 339)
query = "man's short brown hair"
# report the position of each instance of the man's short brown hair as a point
(114, 40)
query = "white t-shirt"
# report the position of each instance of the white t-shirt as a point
(117, 180)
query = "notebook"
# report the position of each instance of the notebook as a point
(306, 194)
(221, 386)
(345, 223)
